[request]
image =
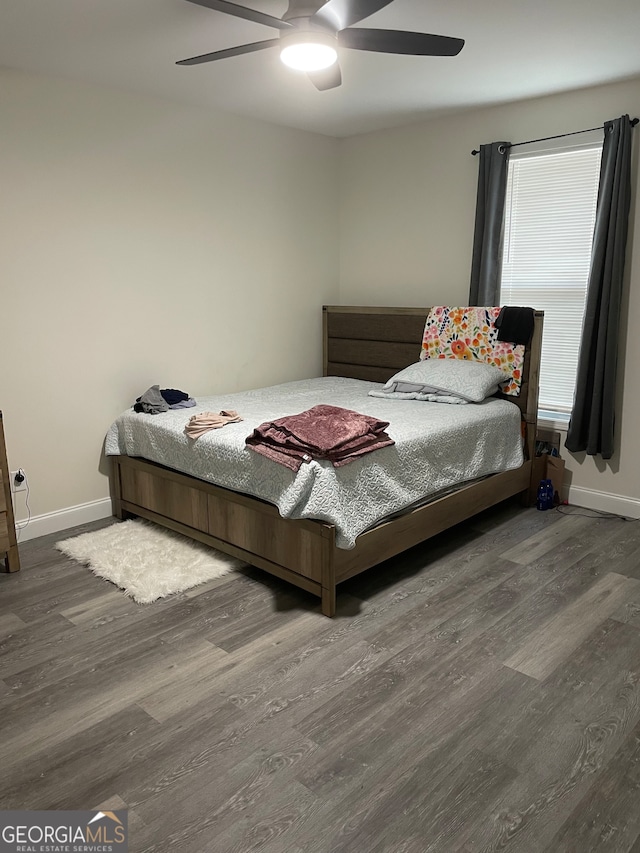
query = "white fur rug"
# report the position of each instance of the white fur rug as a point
(147, 561)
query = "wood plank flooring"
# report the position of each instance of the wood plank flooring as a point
(479, 693)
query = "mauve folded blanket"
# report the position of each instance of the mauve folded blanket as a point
(322, 432)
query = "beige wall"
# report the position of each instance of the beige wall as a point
(406, 234)
(147, 242)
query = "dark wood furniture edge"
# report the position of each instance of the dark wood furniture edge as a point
(11, 561)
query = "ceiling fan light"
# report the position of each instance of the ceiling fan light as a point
(308, 51)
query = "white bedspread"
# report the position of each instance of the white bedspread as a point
(437, 446)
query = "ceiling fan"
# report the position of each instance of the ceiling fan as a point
(312, 30)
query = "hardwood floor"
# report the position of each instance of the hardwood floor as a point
(479, 693)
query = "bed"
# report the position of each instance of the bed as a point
(362, 347)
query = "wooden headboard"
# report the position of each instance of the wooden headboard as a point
(362, 342)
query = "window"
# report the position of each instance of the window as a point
(549, 219)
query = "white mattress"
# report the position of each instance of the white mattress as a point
(436, 447)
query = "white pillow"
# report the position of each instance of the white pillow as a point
(444, 380)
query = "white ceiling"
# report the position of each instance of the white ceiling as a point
(514, 49)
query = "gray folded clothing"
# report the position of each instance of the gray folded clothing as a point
(151, 402)
(183, 404)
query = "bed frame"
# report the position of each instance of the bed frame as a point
(359, 343)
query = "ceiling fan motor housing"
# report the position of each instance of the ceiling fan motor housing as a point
(300, 9)
(308, 35)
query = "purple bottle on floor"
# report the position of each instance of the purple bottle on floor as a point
(541, 501)
(549, 494)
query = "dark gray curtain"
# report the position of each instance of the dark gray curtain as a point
(487, 239)
(592, 419)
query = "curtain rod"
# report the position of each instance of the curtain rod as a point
(633, 122)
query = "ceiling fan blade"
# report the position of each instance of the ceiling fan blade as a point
(326, 78)
(398, 41)
(243, 12)
(338, 14)
(231, 51)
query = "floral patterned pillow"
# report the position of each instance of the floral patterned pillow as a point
(470, 333)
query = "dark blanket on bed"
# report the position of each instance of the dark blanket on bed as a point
(322, 432)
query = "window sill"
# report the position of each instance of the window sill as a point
(553, 420)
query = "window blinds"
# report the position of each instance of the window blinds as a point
(549, 219)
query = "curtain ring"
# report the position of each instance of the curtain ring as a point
(502, 149)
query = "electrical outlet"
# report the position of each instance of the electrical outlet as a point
(18, 484)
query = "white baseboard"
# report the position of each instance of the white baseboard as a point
(604, 502)
(61, 519)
